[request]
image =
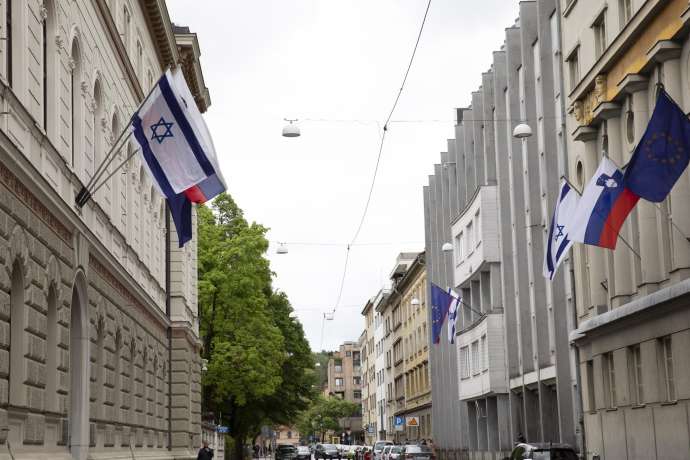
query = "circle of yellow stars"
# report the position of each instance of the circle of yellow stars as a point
(674, 148)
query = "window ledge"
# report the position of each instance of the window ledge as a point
(669, 403)
(611, 409)
(568, 8)
(638, 406)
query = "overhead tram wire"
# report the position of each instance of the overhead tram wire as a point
(378, 160)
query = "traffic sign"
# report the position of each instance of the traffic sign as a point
(412, 421)
(399, 423)
(222, 429)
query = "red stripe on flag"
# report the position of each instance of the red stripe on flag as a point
(621, 208)
(195, 195)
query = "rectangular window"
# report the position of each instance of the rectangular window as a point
(485, 353)
(357, 394)
(609, 372)
(599, 28)
(338, 365)
(339, 382)
(470, 238)
(476, 365)
(667, 357)
(591, 406)
(459, 253)
(477, 228)
(348, 353)
(635, 369)
(464, 362)
(574, 67)
(625, 9)
(357, 380)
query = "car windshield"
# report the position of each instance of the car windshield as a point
(554, 454)
(329, 446)
(287, 448)
(304, 449)
(396, 450)
(412, 449)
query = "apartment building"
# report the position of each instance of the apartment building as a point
(490, 200)
(381, 366)
(86, 349)
(345, 382)
(632, 309)
(415, 350)
(369, 407)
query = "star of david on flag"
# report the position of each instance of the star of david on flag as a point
(165, 127)
(558, 241)
(177, 149)
(453, 311)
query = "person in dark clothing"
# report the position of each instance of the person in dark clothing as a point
(205, 453)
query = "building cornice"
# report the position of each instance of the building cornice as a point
(161, 30)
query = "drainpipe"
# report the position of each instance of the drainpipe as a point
(167, 314)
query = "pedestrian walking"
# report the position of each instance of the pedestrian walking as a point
(205, 453)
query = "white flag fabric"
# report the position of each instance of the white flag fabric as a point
(453, 315)
(175, 143)
(558, 241)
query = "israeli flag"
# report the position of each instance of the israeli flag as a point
(175, 143)
(453, 315)
(559, 241)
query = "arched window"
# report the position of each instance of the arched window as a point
(52, 352)
(132, 382)
(49, 71)
(126, 25)
(140, 61)
(16, 396)
(77, 108)
(115, 193)
(97, 137)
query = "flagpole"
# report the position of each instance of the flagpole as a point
(84, 195)
(98, 187)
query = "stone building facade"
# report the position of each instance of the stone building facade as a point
(368, 349)
(416, 381)
(491, 198)
(633, 314)
(89, 359)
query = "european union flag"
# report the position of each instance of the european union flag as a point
(662, 154)
(440, 303)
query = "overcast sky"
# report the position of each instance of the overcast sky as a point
(265, 60)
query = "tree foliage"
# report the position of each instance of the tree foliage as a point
(324, 415)
(260, 368)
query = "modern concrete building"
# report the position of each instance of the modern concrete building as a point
(345, 382)
(633, 310)
(369, 412)
(491, 198)
(87, 365)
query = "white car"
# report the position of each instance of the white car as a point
(378, 449)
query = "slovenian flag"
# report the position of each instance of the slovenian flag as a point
(603, 207)
(559, 241)
(177, 149)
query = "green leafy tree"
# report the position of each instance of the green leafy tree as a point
(260, 369)
(324, 415)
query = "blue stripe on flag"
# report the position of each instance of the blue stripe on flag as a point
(185, 127)
(150, 158)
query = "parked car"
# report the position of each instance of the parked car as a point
(395, 453)
(285, 452)
(326, 451)
(378, 448)
(416, 452)
(543, 451)
(386, 452)
(303, 453)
